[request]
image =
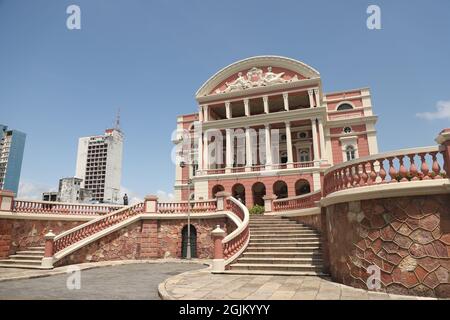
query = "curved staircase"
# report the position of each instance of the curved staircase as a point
(279, 246)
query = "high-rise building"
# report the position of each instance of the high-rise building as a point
(99, 164)
(12, 144)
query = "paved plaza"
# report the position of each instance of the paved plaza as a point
(121, 281)
(201, 284)
(172, 279)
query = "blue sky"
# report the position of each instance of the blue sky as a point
(149, 58)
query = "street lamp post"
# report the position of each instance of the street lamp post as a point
(188, 249)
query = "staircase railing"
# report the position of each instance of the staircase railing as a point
(85, 230)
(29, 206)
(399, 166)
(236, 242)
(298, 202)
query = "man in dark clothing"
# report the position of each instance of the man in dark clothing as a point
(125, 200)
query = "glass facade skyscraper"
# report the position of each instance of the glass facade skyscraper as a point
(12, 144)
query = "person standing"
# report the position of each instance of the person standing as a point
(125, 200)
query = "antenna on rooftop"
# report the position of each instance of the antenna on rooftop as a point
(117, 125)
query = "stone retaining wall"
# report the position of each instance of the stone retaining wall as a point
(408, 238)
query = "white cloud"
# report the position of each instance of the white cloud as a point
(442, 112)
(33, 191)
(164, 196)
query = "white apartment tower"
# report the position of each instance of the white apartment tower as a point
(99, 164)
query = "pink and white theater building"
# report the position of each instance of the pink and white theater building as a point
(282, 99)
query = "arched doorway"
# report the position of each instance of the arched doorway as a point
(184, 238)
(280, 189)
(259, 191)
(238, 191)
(217, 188)
(302, 187)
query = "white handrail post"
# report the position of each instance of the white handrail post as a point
(150, 204)
(220, 198)
(268, 203)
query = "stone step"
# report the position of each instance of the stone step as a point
(274, 222)
(22, 261)
(282, 231)
(276, 267)
(286, 244)
(310, 249)
(36, 248)
(40, 252)
(258, 239)
(281, 254)
(277, 273)
(284, 236)
(22, 266)
(26, 256)
(277, 260)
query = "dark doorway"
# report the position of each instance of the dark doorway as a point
(184, 238)
(280, 189)
(259, 191)
(238, 192)
(302, 187)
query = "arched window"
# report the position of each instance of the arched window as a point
(350, 152)
(344, 106)
(217, 188)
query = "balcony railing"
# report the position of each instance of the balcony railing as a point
(183, 207)
(261, 167)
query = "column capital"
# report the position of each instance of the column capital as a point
(227, 103)
(267, 125)
(287, 123)
(316, 90)
(285, 95)
(310, 92)
(265, 98)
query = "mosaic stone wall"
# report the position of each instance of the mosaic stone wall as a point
(147, 239)
(408, 238)
(19, 234)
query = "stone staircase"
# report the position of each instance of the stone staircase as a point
(279, 246)
(30, 258)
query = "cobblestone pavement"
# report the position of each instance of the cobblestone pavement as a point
(201, 284)
(122, 281)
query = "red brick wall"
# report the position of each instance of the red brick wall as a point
(18, 234)
(408, 238)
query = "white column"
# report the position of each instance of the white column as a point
(315, 142)
(289, 145)
(248, 150)
(266, 104)
(323, 155)
(229, 149)
(316, 93)
(228, 109)
(311, 98)
(286, 101)
(200, 152)
(200, 113)
(205, 151)
(205, 116)
(268, 147)
(247, 107)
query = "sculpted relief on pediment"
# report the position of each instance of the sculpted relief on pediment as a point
(255, 77)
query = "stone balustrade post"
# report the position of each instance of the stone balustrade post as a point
(220, 198)
(150, 204)
(6, 200)
(218, 261)
(47, 261)
(268, 203)
(444, 140)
